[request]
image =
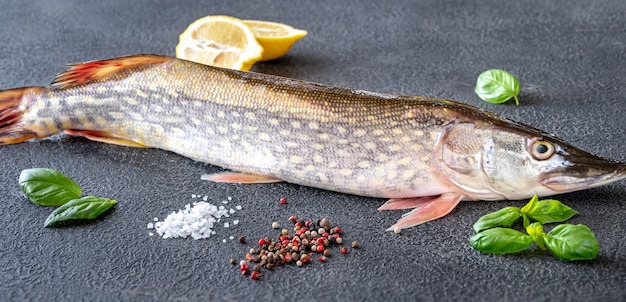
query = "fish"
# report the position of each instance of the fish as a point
(421, 153)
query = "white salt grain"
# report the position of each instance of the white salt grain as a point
(196, 221)
(230, 198)
(236, 222)
(238, 207)
(225, 201)
(150, 225)
(226, 224)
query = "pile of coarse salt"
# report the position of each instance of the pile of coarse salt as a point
(196, 220)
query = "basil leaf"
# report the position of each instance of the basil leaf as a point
(502, 218)
(48, 187)
(88, 207)
(535, 230)
(530, 205)
(572, 242)
(500, 241)
(550, 210)
(497, 86)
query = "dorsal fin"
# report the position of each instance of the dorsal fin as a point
(82, 73)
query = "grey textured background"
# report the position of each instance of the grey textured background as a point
(570, 57)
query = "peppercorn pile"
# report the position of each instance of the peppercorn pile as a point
(308, 240)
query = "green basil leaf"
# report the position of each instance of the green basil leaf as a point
(550, 210)
(572, 242)
(497, 86)
(48, 187)
(88, 207)
(530, 206)
(500, 241)
(502, 218)
(535, 230)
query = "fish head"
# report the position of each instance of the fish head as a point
(515, 161)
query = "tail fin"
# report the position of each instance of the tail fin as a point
(12, 130)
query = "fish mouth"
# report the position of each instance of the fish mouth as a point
(583, 172)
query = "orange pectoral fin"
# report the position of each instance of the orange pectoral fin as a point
(86, 72)
(240, 177)
(429, 210)
(406, 203)
(105, 137)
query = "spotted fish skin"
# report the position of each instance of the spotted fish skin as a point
(407, 148)
(365, 144)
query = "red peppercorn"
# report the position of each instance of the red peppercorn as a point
(305, 258)
(344, 250)
(244, 268)
(338, 230)
(283, 200)
(255, 275)
(320, 248)
(262, 242)
(322, 259)
(320, 241)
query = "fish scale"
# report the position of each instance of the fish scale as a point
(422, 153)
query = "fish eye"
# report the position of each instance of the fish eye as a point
(542, 150)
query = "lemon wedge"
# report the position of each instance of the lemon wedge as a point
(275, 38)
(221, 41)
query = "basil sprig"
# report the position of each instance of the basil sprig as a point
(497, 86)
(544, 211)
(566, 241)
(49, 187)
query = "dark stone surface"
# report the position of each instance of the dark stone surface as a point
(570, 57)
